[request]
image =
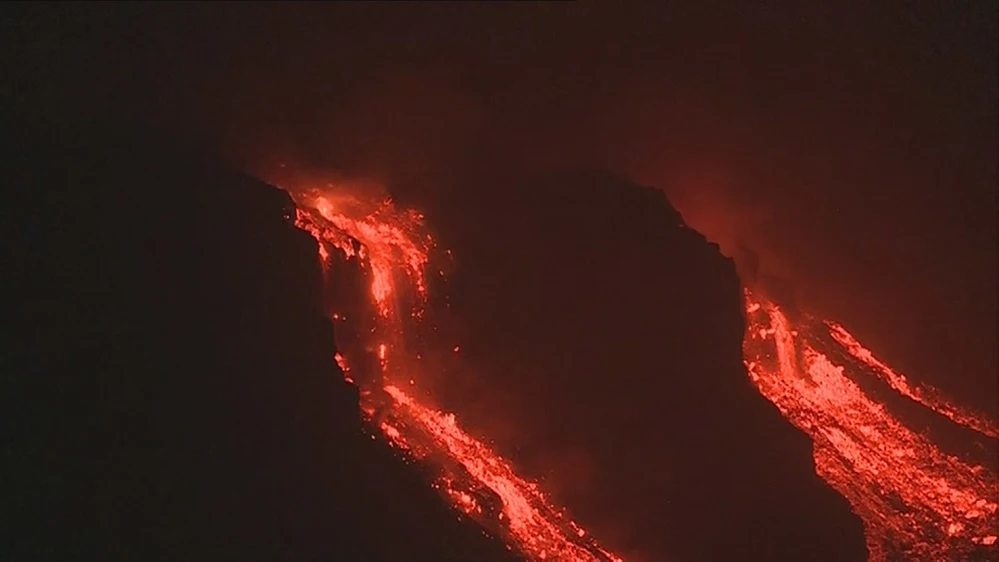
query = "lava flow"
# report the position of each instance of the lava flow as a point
(916, 501)
(391, 245)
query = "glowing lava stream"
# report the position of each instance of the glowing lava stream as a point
(473, 478)
(916, 501)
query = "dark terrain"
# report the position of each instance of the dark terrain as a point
(172, 394)
(613, 333)
(169, 380)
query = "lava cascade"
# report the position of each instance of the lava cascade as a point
(916, 501)
(392, 245)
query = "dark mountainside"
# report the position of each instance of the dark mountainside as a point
(169, 380)
(613, 334)
(172, 393)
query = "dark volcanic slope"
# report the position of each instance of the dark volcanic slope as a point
(613, 334)
(169, 384)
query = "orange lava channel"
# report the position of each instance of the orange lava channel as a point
(473, 478)
(916, 501)
(534, 524)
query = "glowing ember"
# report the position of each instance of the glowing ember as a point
(473, 478)
(915, 501)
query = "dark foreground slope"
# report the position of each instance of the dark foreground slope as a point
(168, 379)
(601, 339)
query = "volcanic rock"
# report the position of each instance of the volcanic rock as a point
(169, 378)
(602, 344)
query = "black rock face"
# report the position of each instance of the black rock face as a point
(602, 341)
(168, 375)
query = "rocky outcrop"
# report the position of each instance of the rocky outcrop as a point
(601, 339)
(169, 383)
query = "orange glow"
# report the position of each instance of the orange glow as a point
(534, 525)
(915, 500)
(342, 363)
(392, 240)
(474, 480)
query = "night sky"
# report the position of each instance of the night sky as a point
(852, 147)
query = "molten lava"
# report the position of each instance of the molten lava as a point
(471, 477)
(389, 240)
(916, 501)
